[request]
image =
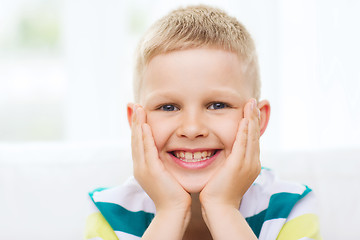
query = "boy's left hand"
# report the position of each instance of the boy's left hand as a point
(241, 168)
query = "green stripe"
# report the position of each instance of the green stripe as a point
(123, 220)
(135, 223)
(91, 194)
(256, 222)
(280, 206)
(265, 168)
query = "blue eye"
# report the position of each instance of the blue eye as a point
(168, 108)
(217, 105)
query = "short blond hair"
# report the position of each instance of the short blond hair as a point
(195, 27)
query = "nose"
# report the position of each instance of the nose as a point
(192, 126)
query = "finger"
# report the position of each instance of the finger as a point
(140, 115)
(140, 120)
(133, 117)
(239, 147)
(253, 144)
(251, 110)
(150, 150)
(134, 125)
(252, 113)
(137, 139)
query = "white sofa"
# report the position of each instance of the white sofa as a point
(43, 186)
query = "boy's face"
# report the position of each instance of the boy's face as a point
(194, 102)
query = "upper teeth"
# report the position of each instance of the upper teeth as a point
(193, 156)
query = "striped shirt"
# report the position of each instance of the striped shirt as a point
(274, 209)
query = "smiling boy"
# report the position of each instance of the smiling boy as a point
(195, 128)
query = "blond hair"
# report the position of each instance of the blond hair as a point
(195, 27)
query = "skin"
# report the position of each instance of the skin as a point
(197, 99)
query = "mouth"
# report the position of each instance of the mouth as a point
(194, 157)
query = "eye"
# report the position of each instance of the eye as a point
(217, 105)
(168, 108)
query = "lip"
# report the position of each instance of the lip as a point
(194, 165)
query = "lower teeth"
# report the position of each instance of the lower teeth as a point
(193, 160)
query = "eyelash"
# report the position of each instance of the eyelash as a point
(162, 107)
(172, 107)
(224, 105)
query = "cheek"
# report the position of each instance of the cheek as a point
(161, 130)
(226, 131)
(228, 136)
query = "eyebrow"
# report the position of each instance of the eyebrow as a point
(226, 92)
(223, 93)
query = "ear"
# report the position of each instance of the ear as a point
(130, 112)
(264, 107)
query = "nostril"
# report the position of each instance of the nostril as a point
(192, 131)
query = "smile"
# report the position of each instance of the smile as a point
(191, 157)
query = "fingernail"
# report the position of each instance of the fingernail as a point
(137, 110)
(246, 122)
(134, 112)
(253, 103)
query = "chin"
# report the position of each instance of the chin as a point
(193, 186)
(193, 182)
(193, 189)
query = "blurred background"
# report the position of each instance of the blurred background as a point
(66, 76)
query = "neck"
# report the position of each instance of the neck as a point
(197, 228)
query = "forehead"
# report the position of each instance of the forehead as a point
(193, 70)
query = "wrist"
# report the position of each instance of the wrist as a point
(171, 208)
(215, 204)
(170, 213)
(219, 209)
(180, 216)
(226, 222)
(168, 224)
(213, 211)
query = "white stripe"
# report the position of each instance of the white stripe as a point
(91, 208)
(129, 195)
(271, 228)
(304, 206)
(257, 198)
(126, 236)
(253, 202)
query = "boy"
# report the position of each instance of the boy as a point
(195, 142)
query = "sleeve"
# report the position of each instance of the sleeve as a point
(96, 227)
(302, 222)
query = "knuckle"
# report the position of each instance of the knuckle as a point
(136, 174)
(139, 172)
(245, 131)
(257, 167)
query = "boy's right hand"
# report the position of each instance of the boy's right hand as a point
(169, 197)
